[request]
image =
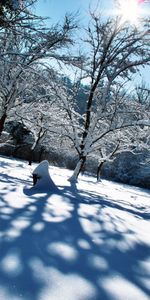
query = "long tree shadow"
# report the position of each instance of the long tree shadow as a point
(66, 245)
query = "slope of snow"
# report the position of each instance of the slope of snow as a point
(81, 242)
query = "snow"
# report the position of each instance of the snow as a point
(83, 241)
(43, 181)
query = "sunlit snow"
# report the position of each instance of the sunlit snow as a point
(83, 241)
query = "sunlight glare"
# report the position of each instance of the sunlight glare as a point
(129, 11)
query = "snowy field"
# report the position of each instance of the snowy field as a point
(83, 242)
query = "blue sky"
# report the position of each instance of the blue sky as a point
(56, 10)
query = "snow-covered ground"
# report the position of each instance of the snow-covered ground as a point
(83, 242)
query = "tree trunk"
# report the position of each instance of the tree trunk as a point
(2, 121)
(30, 160)
(40, 154)
(99, 170)
(39, 136)
(78, 169)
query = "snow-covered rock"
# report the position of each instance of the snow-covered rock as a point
(42, 179)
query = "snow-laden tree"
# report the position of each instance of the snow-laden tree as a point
(142, 96)
(9, 6)
(22, 50)
(12, 12)
(33, 119)
(127, 140)
(115, 51)
(40, 112)
(135, 139)
(18, 13)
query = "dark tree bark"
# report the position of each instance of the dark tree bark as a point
(82, 163)
(2, 122)
(78, 169)
(99, 170)
(41, 153)
(31, 157)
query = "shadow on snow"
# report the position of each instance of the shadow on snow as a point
(44, 239)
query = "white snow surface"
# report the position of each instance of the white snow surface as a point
(84, 241)
(44, 181)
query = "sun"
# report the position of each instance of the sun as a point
(129, 10)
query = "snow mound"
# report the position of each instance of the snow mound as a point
(42, 180)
